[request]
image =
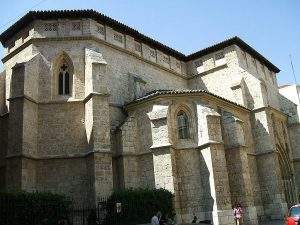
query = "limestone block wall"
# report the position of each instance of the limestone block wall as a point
(289, 101)
(134, 159)
(121, 67)
(239, 78)
(3, 149)
(216, 78)
(23, 56)
(66, 176)
(3, 108)
(61, 123)
(193, 185)
(251, 67)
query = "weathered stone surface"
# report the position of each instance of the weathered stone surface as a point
(88, 141)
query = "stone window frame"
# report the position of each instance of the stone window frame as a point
(51, 27)
(119, 37)
(245, 58)
(61, 59)
(137, 46)
(219, 58)
(189, 111)
(198, 63)
(76, 26)
(166, 59)
(178, 64)
(64, 80)
(100, 29)
(152, 53)
(183, 129)
(219, 55)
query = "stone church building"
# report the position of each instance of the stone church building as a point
(88, 104)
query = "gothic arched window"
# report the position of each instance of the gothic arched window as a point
(183, 125)
(64, 80)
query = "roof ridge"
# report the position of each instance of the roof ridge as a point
(158, 92)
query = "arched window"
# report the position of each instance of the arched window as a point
(183, 125)
(64, 81)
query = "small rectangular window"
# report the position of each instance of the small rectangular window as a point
(118, 37)
(262, 68)
(138, 47)
(152, 53)
(245, 58)
(61, 84)
(253, 61)
(67, 83)
(101, 29)
(219, 55)
(50, 27)
(198, 63)
(166, 59)
(76, 26)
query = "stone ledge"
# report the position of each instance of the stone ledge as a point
(88, 38)
(207, 144)
(166, 145)
(66, 156)
(214, 69)
(92, 94)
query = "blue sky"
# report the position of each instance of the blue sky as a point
(272, 27)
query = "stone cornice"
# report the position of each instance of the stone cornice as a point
(4, 115)
(214, 69)
(296, 160)
(262, 153)
(88, 38)
(22, 97)
(205, 96)
(132, 154)
(270, 108)
(45, 102)
(92, 94)
(208, 144)
(65, 156)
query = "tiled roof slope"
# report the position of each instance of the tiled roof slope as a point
(92, 14)
(156, 93)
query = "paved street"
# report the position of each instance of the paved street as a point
(274, 222)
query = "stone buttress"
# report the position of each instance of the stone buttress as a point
(97, 126)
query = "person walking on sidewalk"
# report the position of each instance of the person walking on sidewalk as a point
(238, 214)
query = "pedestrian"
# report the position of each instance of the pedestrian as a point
(238, 214)
(156, 218)
(92, 218)
(195, 219)
(169, 220)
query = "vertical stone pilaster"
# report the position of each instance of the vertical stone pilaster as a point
(268, 166)
(241, 188)
(129, 168)
(97, 123)
(213, 152)
(22, 136)
(164, 159)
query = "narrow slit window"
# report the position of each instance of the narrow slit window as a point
(64, 81)
(183, 125)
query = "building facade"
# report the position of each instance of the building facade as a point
(290, 104)
(88, 104)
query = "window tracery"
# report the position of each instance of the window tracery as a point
(183, 125)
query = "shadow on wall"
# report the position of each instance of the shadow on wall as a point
(271, 167)
(248, 97)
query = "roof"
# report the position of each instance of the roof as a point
(99, 17)
(156, 93)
